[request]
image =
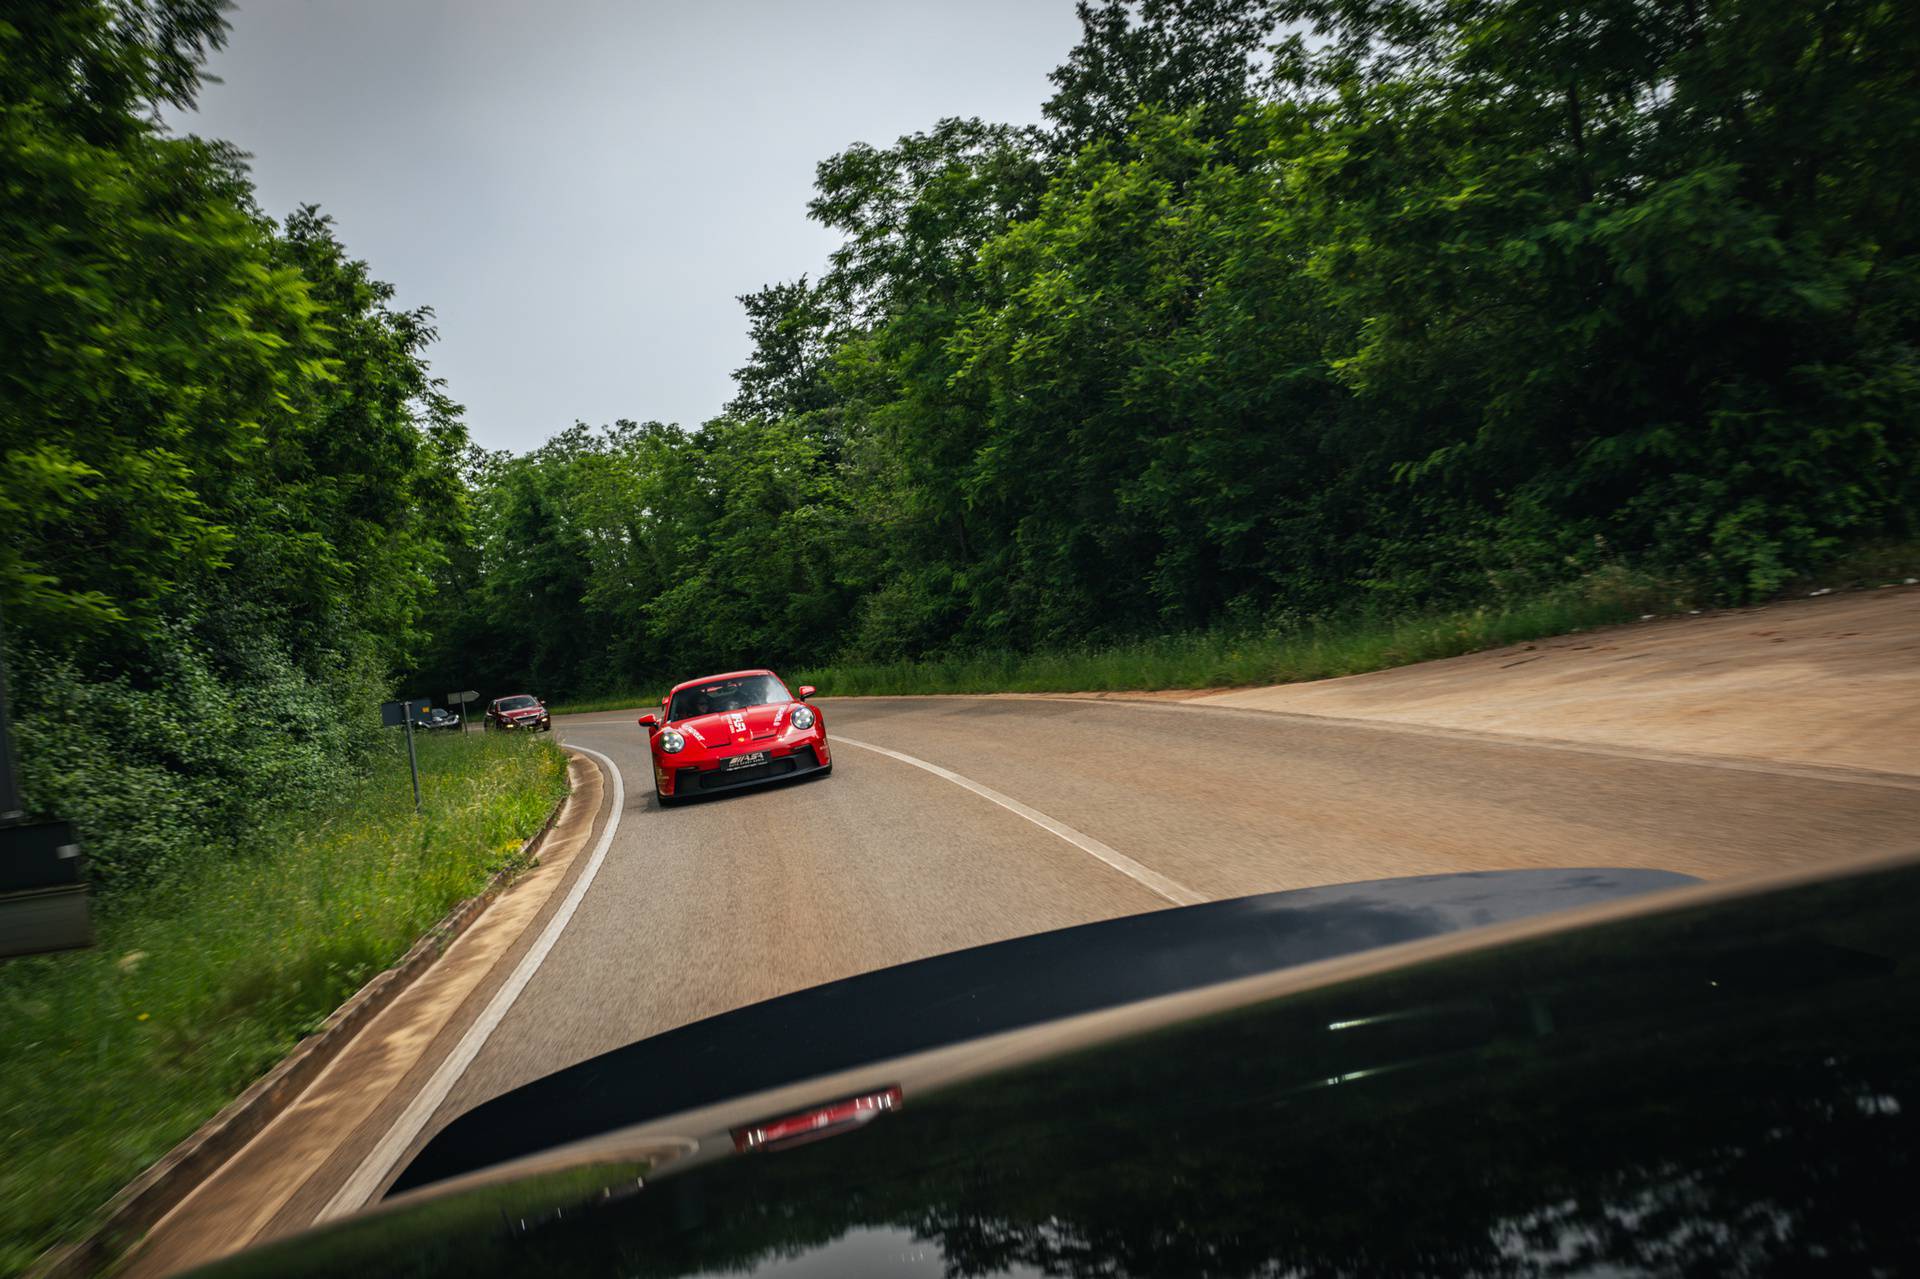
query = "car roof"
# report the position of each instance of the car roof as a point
(504, 696)
(708, 679)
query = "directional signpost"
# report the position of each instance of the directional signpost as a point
(463, 700)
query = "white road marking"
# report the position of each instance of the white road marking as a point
(379, 1165)
(1177, 893)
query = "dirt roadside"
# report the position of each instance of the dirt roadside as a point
(252, 1195)
(1831, 681)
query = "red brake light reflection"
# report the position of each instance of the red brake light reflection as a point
(822, 1121)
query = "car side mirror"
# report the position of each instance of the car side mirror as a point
(649, 720)
(806, 691)
(542, 701)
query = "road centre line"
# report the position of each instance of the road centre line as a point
(379, 1164)
(1177, 893)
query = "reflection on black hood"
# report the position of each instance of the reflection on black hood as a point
(1725, 1089)
(988, 989)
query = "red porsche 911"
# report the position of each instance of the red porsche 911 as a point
(725, 732)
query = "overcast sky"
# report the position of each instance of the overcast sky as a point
(580, 188)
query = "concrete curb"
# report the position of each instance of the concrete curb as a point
(148, 1197)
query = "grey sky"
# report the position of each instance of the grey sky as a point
(580, 188)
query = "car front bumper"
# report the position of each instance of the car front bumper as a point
(713, 779)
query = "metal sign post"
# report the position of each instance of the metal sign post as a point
(397, 713)
(413, 761)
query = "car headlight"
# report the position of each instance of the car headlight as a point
(803, 717)
(671, 742)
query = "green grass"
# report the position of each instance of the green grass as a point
(1214, 659)
(1314, 650)
(1319, 650)
(625, 701)
(1322, 649)
(112, 1055)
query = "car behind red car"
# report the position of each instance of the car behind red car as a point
(724, 732)
(520, 710)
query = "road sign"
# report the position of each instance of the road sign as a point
(43, 900)
(43, 903)
(394, 714)
(463, 700)
(38, 855)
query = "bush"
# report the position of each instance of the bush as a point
(155, 774)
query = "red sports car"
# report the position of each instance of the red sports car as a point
(724, 732)
(521, 710)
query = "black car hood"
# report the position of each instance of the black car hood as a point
(984, 990)
(1724, 1080)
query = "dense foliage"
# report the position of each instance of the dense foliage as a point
(228, 473)
(1296, 306)
(1291, 308)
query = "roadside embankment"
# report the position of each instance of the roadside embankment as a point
(1829, 681)
(199, 985)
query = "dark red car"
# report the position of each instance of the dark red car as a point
(521, 710)
(723, 732)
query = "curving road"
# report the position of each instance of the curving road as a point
(713, 905)
(950, 822)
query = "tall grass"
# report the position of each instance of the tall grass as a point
(1325, 648)
(647, 698)
(200, 984)
(1316, 650)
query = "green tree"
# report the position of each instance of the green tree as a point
(229, 472)
(1169, 54)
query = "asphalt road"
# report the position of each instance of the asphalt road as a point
(717, 904)
(950, 822)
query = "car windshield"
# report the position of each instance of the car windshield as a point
(515, 703)
(727, 695)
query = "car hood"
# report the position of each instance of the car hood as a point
(727, 728)
(984, 990)
(1717, 1080)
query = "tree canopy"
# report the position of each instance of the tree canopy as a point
(1306, 305)
(230, 475)
(1290, 307)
